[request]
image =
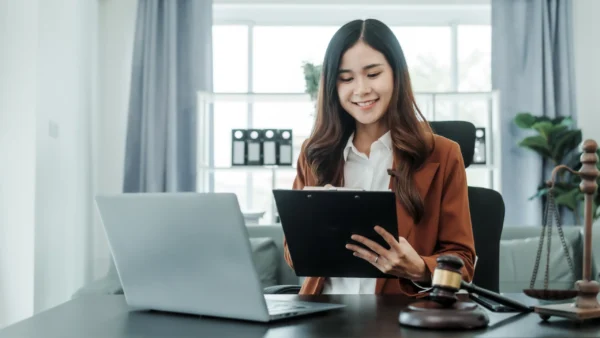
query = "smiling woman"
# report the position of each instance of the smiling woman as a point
(370, 134)
(365, 75)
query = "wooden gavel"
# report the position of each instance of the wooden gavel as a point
(443, 310)
(447, 280)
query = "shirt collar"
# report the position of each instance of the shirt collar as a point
(385, 140)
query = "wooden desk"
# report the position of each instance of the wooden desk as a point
(364, 316)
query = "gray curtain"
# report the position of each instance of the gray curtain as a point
(172, 60)
(532, 67)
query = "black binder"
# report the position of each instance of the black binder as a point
(318, 224)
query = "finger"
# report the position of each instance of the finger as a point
(367, 255)
(381, 251)
(388, 238)
(362, 251)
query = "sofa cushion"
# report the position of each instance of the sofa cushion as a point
(265, 257)
(517, 261)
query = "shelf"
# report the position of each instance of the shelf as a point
(248, 168)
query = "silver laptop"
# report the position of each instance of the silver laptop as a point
(189, 253)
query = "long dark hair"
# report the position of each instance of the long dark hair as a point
(411, 134)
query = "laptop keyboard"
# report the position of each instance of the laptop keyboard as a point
(284, 306)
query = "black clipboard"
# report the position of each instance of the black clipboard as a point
(318, 224)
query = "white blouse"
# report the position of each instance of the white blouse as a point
(368, 173)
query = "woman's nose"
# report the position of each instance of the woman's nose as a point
(362, 88)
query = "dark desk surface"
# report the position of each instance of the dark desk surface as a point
(364, 316)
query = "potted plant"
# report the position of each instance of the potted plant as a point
(557, 142)
(312, 77)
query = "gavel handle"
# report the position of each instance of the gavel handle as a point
(495, 297)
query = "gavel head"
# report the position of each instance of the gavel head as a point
(447, 279)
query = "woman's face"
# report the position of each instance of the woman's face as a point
(365, 83)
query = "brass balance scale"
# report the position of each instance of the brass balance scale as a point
(586, 290)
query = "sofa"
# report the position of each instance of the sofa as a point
(518, 248)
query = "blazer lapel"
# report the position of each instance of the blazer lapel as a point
(422, 178)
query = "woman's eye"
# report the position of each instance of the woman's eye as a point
(346, 79)
(373, 75)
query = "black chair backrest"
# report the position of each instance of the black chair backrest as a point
(487, 218)
(486, 206)
(461, 132)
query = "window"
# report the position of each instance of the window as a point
(428, 55)
(279, 52)
(268, 59)
(474, 58)
(230, 59)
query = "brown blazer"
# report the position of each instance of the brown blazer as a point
(444, 229)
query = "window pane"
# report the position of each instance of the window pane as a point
(427, 52)
(474, 58)
(279, 52)
(230, 59)
(285, 179)
(227, 116)
(234, 181)
(425, 104)
(471, 109)
(262, 195)
(478, 177)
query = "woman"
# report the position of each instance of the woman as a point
(368, 122)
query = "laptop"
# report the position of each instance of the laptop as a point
(190, 253)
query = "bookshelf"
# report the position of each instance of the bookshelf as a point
(480, 108)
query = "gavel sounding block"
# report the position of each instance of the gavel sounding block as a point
(433, 315)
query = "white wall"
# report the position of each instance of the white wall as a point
(115, 37)
(67, 30)
(587, 68)
(18, 76)
(46, 86)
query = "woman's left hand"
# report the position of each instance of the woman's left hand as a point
(400, 259)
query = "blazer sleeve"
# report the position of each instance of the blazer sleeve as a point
(455, 234)
(299, 183)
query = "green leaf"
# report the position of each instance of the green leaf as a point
(541, 192)
(312, 76)
(562, 120)
(525, 120)
(556, 131)
(538, 144)
(566, 143)
(544, 128)
(570, 199)
(542, 119)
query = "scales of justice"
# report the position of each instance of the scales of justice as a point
(585, 305)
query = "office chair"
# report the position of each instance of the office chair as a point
(486, 208)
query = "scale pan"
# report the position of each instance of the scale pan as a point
(543, 294)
